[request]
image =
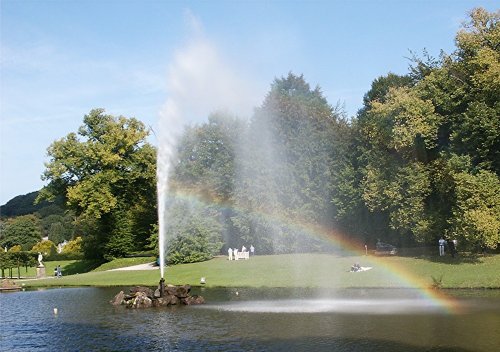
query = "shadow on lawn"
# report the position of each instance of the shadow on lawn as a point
(430, 254)
(462, 258)
(81, 266)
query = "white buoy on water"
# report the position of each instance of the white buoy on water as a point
(55, 311)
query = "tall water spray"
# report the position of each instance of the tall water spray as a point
(199, 82)
(169, 128)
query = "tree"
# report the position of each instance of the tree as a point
(476, 220)
(59, 227)
(193, 233)
(6, 262)
(23, 230)
(205, 161)
(106, 173)
(73, 248)
(418, 138)
(15, 258)
(396, 133)
(464, 88)
(293, 151)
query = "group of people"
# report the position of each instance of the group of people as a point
(57, 271)
(235, 254)
(442, 243)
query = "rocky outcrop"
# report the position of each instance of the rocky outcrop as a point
(145, 297)
(118, 299)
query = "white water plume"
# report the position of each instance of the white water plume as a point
(199, 82)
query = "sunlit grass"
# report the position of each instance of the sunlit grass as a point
(299, 270)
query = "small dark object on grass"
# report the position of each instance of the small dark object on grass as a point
(437, 284)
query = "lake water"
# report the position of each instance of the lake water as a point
(251, 320)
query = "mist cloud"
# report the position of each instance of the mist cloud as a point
(200, 80)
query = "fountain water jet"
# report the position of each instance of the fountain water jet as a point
(199, 81)
(169, 128)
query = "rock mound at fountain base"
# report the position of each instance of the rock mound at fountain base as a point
(144, 297)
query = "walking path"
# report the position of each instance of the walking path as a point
(148, 266)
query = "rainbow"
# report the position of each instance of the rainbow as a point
(339, 240)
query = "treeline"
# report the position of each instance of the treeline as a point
(420, 160)
(24, 224)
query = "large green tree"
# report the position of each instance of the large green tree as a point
(24, 230)
(427, 140)
(106, 173)
(205, 161)
(291, 160)
(464, 89)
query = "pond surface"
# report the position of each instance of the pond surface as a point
(251, 320)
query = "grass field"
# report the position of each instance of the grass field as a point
(292, 270)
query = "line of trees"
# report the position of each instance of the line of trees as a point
(420, 160)
(15, 259)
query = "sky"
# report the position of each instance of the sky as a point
(136, 58)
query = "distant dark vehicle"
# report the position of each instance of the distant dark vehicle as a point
(385, 249)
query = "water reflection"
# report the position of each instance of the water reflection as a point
(253, 320)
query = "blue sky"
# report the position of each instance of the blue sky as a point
(60, 59)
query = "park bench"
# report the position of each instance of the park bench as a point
(242, 255)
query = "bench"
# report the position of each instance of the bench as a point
(242, 255)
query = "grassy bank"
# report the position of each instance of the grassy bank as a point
(299, 270)
(72, 267)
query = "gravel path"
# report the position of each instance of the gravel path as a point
(148, 266)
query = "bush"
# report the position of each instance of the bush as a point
(73, 248)
(194, 234)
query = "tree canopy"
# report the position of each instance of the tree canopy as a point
(106, 173)
(24, 230)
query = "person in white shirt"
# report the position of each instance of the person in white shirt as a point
(441, 242)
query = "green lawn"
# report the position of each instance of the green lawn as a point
(298, 270)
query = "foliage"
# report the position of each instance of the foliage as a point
(476, 220)
(59, 227)
(206, 158)
(47, 248)
(465, 90)
(106, 173)
(428, 144)
(289, 163)
(193, 233)
(73, 248)
(16, 248)
(15, 259)
(23, 230)
(24, 205)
